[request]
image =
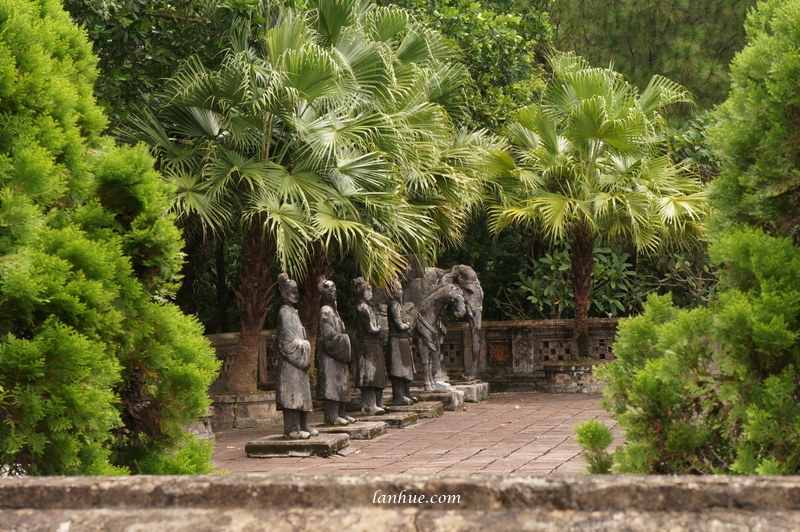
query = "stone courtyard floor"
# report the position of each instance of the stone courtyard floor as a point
(523, 433)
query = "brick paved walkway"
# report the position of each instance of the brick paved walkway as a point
(512, 433)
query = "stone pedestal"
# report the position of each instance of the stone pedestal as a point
(245, 411)
(423, 409)
(360, 430)
(452, 399)
(474, 391)
(395, 420)
(277, 446)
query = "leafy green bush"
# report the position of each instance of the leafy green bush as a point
(547, 285)
(499, 41)
(97, 373)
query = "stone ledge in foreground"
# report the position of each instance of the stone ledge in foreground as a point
(477, 494)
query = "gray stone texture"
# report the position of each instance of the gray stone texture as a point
(395, 420)
(244, 411)
(253, 502)
(561, 378)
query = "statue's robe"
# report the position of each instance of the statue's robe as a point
(293, 390)
(333, 357)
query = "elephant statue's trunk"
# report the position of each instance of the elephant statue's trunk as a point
(474, 319)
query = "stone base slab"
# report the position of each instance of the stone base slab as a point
(360, 430)
(474, 392)
(394, 420)
(275, 446)
(453, 399)
(424, 409)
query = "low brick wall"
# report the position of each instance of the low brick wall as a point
(259, 502)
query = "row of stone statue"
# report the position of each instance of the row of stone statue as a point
(333, 357)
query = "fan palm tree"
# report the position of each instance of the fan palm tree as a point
(589, 164)
(319, 130)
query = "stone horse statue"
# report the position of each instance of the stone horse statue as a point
(462, 276)
(427, 330)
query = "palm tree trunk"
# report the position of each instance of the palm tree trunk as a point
(223, 290)
(582, 258)
(319, 264)
(253, 296)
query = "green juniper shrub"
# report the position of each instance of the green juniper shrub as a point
(714, 389)
(758, 127)
(97, 373)
(717, 389)
(595, 437)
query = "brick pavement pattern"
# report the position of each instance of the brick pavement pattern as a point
(523, 433)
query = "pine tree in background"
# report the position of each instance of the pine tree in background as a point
(97, 373)
(686, 41)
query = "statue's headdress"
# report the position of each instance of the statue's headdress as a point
(360, 284)
(323, 282)
(284, 285)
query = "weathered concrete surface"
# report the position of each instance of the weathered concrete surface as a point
(360, 430)
(256, 502)
(323, 445)
(424, 409)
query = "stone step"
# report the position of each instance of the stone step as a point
(360, 430)
(424, 409)
(453, 400)
(277, 446)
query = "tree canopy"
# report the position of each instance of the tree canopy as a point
(328, 128)
(587, 164)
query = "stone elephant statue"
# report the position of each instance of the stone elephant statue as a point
(465, 278)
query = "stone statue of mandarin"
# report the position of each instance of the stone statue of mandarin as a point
(401, 361)
(333, 358)
(370, 361)
(293, 390)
